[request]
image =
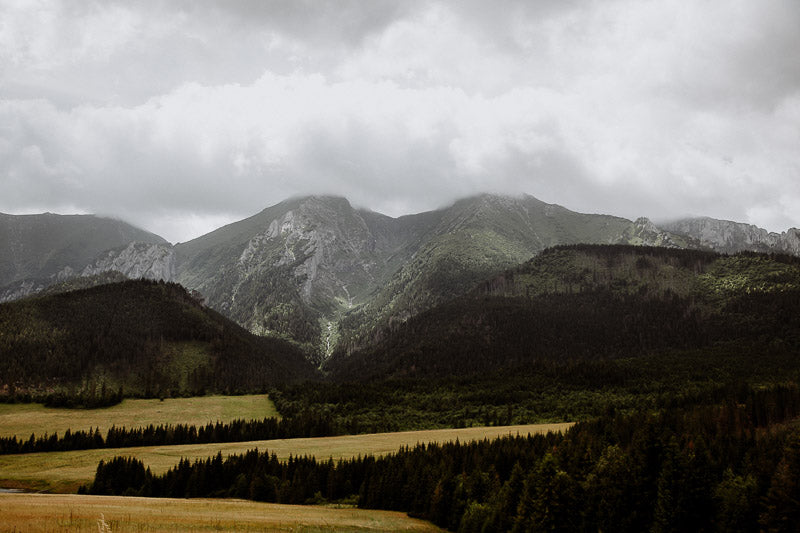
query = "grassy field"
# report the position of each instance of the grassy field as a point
(65, 471)
(68, 513)
(24, 419)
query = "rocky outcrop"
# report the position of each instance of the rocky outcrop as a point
(137, 260)
(23, 289)
(731, 237)
(324, 241)
(643, 232)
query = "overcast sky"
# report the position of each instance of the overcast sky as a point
(182, 116)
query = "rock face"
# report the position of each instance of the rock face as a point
(22, 289)
(137, 260)
(643, 232)
(323, 241)
(731, 237)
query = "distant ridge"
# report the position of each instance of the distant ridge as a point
(60, 246)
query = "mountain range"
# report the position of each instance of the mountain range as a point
(333, 279)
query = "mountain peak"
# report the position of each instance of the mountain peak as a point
(318, 199)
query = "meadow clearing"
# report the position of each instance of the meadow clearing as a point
(71, 513)
(24, 419)
(66, 471)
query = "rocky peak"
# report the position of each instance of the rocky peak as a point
(727, 236)
(327, 244)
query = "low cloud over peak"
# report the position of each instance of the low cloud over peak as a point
(179, 113)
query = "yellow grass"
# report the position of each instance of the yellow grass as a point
(65, 471)
(24, 419)
(67, 513)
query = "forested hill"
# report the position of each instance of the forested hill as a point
(150, 338)
(594, 302)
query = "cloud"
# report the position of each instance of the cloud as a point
(169, 113)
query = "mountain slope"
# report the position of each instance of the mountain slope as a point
(596, 302)
(150, 337)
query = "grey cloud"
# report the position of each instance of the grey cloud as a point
(214, 110)
(325, 22)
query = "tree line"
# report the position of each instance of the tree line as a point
(304, 425)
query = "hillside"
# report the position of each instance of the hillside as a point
(150, 338)
(584, 302)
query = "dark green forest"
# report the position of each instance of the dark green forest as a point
(139, 337)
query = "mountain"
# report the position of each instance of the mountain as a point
(333, 278)
(578, 303)
(148, 337)
(38, 250)
(329, 276)
(287, 269)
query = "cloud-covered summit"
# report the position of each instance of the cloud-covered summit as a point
(180, 116)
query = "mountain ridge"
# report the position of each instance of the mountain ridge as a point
(328, 276)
